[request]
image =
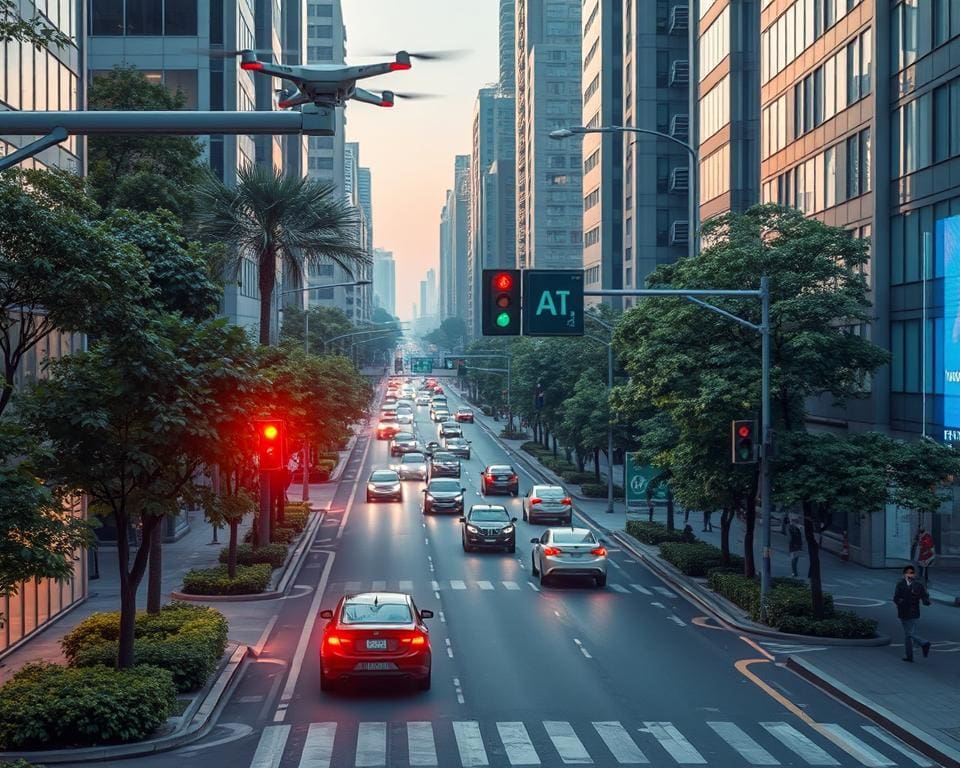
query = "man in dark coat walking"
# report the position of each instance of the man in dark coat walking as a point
(907, 596)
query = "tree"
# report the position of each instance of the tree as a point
(450, 334)
(704, 370)
(59, 267)
(142, 172)
(325, 323)
(130, 421)
(278, 219)
(35, 31)
(586, 414)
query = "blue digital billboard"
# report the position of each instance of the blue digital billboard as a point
(948, 254)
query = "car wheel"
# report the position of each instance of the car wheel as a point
(533, 565)
(512, 549)
(524, 514)
(463, 542)
(423, 683)
(543, 579)
(326, 684)
(601, 581)
(368, 498)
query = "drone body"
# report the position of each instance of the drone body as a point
(327, 85)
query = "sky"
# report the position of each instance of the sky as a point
(410, 148)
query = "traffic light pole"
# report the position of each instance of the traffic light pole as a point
(766, 433)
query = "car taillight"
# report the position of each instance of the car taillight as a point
(336, 641)
(513, 477)
(566, 501)
(534, 500)
(552, 551)
(599, 551)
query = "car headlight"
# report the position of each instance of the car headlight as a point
(471, 528)
(460, 496)
(430, 498)
(508, 529)
(371, 487)
(395, 487)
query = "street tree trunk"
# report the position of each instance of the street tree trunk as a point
(813, 552)
(750, 523)
(131, 574)
(232, 549)
(596, 466)
(155, 575)
(267, 280)
(670, 524)
(726, 521)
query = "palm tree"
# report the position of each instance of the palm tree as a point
(278, 217)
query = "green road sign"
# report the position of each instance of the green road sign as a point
(421, 365)
(553, 302)
(639, 478)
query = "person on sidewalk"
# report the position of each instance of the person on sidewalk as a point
(925, 555)
(796, 547)
(707, 524)
(907, 597)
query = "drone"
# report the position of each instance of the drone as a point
(331, 85)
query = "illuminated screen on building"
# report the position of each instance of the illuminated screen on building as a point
(948, 250)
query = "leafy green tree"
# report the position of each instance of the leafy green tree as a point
(325, 323)
(130, 421)
(450, 334)
(704, 371)
(586, 414)
(138, 172)
(35, 31)
(278, 219)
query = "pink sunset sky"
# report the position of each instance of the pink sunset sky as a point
(410, 149)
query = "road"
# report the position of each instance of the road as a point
(523, 674)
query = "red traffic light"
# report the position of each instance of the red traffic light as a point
(503, 281)
(270, 432)
(744, 430)
(270, 444)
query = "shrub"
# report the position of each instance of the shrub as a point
(788, 600)
(576, 477)
(295, 517)
(274, 554)
(694, 559)
(558, 465)
(536, 449)
(49, 706)
(512, 434)
(284, 534)
(187, 640)
(599, 491)
(20, 763)
(652, 533)
(250, 580)
(842, 624)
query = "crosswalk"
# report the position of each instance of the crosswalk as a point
(476, 744)
(479, 585)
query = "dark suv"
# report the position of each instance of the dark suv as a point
(403, 442)
(488, 526)
(499, 478)
(443, 495)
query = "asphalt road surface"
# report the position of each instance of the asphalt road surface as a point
(523, 674)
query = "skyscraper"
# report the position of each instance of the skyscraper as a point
(431, 308)
(447, 271)
(385, 280)
(459, 234)
(549, 176)
(326, 44)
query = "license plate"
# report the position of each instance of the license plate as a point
(490, 541)
(501, 479)
(376, 666)
(376, 645)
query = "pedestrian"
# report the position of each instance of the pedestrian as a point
(926, 552)
(796, 547)
(907, 597)
(707, 523)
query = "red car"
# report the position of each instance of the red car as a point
(464, 414)
(438, 390)
(375, 634)
(387, 430)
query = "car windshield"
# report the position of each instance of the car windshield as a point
(492, 515)
(456, 442)
(444, 457)
(381, 613)
(413, 458)
(401, 436)
(573, 537)
(383, 476)
(501, 469)
(550, 493)
(388, 417)
(444, 486)
(464, 410)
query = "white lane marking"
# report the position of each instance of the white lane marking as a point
(484, 585)
(860, 749)
(898, 745)
(619, 588)
(435, 586)
(470, 743)
(796, 742)
(450, 652)
(443, 619)
(371, 745)
(585, 652)
(677, 620)
(516, 742)
(615, 564)
(511, 585)
(641, 589)
(258, 648)
(273, 739)
(752, 752)
(423, 750)
(557, 614)
(659, 605)
(665, 592)
(620, 743)
(456, 685)
(406, 585)
(379, 586)
(353, 495)
(533, 586)
(568, 746)
(352, 586)
(674, 742)
(318, 748)
(457, 584)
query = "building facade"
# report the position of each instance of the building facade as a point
(459, 202)
(431, 292)
(447, 271)
(52, 79)
(326, 44)
(549, 203)
(384, 281)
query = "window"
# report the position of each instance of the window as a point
(715, 109)
(591, 200)
(715, 174)
(715, 43)
(319, 9)
(319, 53)
(106, 17)
(663, 226)
(180, 18)
(144, 17)
(830, 177)
(320, 30)
(592, 161)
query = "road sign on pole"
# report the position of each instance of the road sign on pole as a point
(639, 480)
(553, 302)
(421, 365)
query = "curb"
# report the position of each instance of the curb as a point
(921, 741)
(943, 598)
(289, 571)
(200, 723)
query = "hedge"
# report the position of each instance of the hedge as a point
(250, 580)
(598, 491)
(46, 706)
(295, 517)
(284, 534)
(696, 559)
(558, 465)
(273, 554)
(536, 449)
(187, 640)
(791, 607)
(20, 763)
(576, 477)
(652, 533)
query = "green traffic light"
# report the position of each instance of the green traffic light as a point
(503, 319)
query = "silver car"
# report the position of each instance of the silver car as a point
(404, 415)
(412, 466)
(548, 502)
(569, 552)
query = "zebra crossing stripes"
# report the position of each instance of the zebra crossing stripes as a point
(565, 741)
(470, 743)
(898, 745)
(517, 744)
(735, 736)
(641, 589)
(318, 747)
(675, 743)
(371, 745)
(665, 592)
(621, 745)
(511, 585)
(861, 750)
(423, 750)
(795, 741)
(482, 585)
(270, 747)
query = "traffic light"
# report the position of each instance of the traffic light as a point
(271, 437)
(743, 448)
(501, 302)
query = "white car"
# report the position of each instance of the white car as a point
(423, 399)
(412, 466)
(569, 552)
(404, 416)
(440, 414)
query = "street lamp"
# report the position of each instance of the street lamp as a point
(306, 315)
(693, 205)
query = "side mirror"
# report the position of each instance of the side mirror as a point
(326, 614)
(424, 490)
(463, 490)
(462, 519)
(534, 541)
(426, 614)
(513, 519)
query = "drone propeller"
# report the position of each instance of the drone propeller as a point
(447, 55)
(416, 95)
